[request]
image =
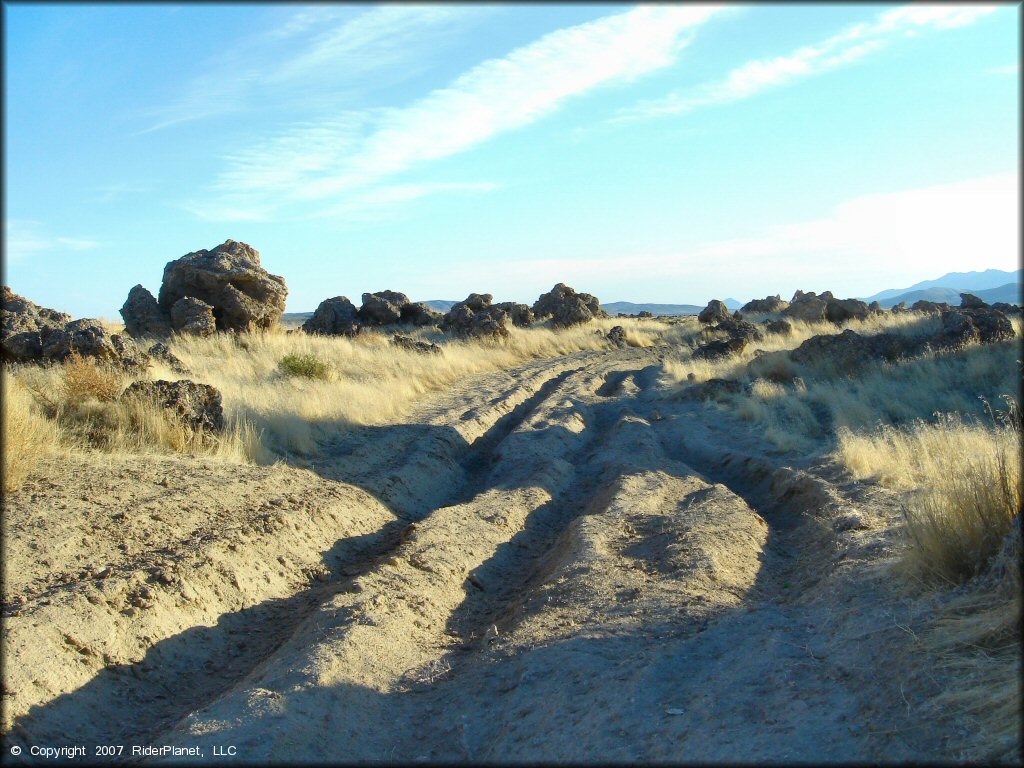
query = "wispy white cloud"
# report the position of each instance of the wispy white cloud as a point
(326, 161)
(841, 49)
(863, 245)
(314, 56)
(23, 238)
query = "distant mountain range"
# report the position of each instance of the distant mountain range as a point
(992, 285)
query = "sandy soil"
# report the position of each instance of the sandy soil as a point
(547, 563)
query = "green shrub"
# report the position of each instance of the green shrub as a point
(308, 366)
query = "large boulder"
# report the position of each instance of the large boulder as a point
(767, 304)
(1009, 310)
(142, 315)
(841, 310)
(991, 324)
(197, 406)
(230, 279)
(382, 308)
(738, 329)
(808, 307)
(193, 317)
(714, 312)
(715, 350)
(781, 327)
(336, 316)
(849, 351)
(617, 336)
(566, 307)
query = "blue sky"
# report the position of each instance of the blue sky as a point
(662, 153)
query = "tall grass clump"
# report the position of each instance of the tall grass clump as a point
(27, 434)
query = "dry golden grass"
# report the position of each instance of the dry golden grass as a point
(284, 392)
(27, 434)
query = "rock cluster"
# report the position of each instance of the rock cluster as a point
(739, 333)
(811, 307)
(36, 334)
(849, 351)
(767, 304)
(392, 307)
(197, 406)
(476, 317)
(565, 307)
(223, 289)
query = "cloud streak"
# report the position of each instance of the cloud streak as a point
(841, 49)
(23, 239)
(359, 149)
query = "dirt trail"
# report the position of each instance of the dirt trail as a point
(546, 563)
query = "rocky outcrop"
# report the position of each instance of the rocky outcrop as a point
(930, 307)
(142, 315)
(714, 312)
(899, 308)
(767, 304)
(841, 310)
(382, 308)
(989, 325)
(808, 307)
(423, 347)
(1010, 310)
(162, 352)
(197, 406)
(874, 308)
(34, 334)
(193, 317)
(243, 296)
(336, 316)
(970, 301)
(617, 336)
(738, 329)
(488, 322)
(565, 307)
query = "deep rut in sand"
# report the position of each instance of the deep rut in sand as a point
(569, 569)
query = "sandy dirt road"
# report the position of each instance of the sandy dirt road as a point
(546, 563)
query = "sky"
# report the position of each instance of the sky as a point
(653, 153)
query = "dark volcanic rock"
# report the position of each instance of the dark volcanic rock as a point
(714, 312)
(142, 315)
(781, 327)
(420, 314)
(849, 351)
(841, 310)
(738, 329)
(520, 314)
(412, 345)
(874, 308)
(336, 316)
(198, 406)
(970, 301)
(490, 322)
(193, 316)
(23, 323)
(808, 307)
(382, 308)
(931, 307)
(566, 307)
(617, 336)
(767, 304)
(229, 278)
(1009, 310)
(162, 352)
(715, 350)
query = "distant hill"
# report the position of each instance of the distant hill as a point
(441, 305)
(629, 308)
(970, 282)
(1009, 293)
